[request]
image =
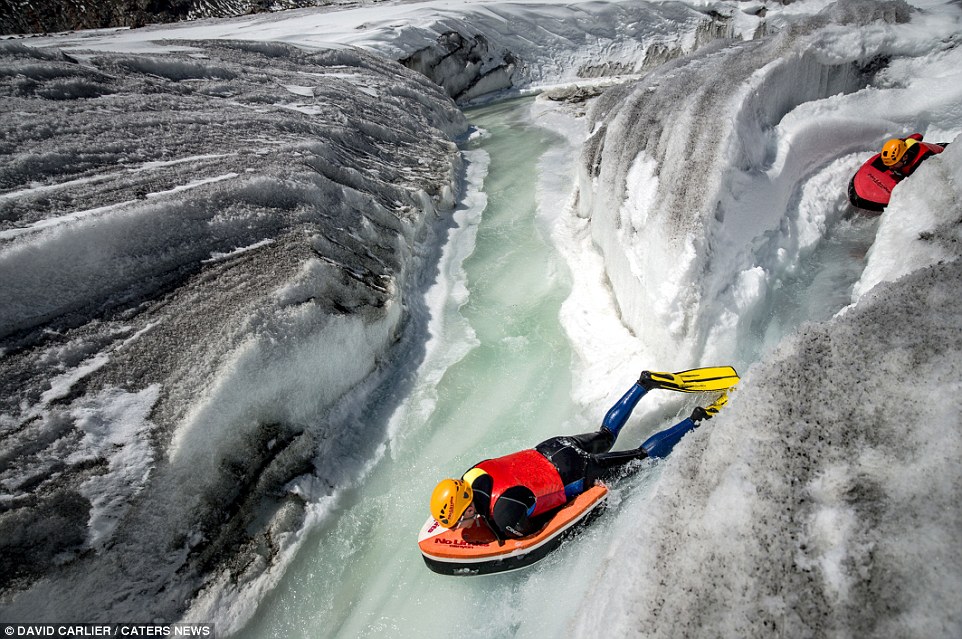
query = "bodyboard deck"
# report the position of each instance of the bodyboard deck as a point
(871, 186)
(476, 551)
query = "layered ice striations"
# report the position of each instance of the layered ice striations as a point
(478, 52)
(200, 253)
(690, 177)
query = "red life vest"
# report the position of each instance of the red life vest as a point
(530, 469)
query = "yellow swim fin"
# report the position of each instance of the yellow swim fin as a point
(696, 380)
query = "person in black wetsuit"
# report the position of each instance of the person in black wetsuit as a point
(517, 493)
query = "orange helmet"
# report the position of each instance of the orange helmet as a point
(892, 151)
(451, 497)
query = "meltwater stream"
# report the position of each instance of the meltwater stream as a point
(495, 379)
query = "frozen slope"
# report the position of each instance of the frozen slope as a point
(472, 50)
(823, 501)
(200, 254)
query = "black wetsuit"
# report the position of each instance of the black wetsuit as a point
(580, 460)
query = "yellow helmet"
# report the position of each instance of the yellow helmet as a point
(892, 151)
(451, 497)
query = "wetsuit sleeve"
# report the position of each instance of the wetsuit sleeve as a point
(481, 486)
(511, 512)
(510, 515)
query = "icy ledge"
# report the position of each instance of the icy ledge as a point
(200, 253)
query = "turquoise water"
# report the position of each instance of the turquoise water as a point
(361, 573)
(495, 378)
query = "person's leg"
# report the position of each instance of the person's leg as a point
(618, 414)
(570, 457)
(660, 444)
(580, 459)
(607, 466)
(583, 459)
(599, 441)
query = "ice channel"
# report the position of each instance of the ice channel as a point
(497, 378)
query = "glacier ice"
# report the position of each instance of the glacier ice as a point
(262, 207)
(185, 235)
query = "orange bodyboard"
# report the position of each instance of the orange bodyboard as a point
(475, 550)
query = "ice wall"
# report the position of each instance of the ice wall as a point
(477, 52)
(201, 252)
(680, 181)
(920, 227)
(824, 501)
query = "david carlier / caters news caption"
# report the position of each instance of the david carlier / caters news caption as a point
(205, 630)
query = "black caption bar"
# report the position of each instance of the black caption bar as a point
(202, 630)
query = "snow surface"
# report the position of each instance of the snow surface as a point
(163, 258)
